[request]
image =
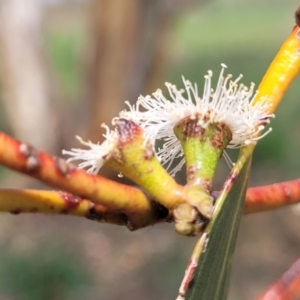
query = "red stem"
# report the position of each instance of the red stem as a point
(287, 287)
(272, 196)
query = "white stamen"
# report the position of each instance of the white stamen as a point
(227, 159)
(93, 158)
(229, 103)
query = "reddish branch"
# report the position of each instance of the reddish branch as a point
(130, 201)
(56, 202)
(272, 196)
(287, 287)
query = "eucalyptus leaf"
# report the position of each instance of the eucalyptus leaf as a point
(210, 281)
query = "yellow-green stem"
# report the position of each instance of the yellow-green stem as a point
(202, 149)
(135, 158)
(56, 202)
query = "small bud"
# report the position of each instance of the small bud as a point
(185, 212)
(187, 220)
(185, 228)
(185, 217)
(199, 198)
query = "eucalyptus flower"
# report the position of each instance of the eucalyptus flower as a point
(126, 152)
(94, 157)
(230, 103)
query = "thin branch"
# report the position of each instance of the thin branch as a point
(258, 199)
(56, 202)
(281, 72)
(140, 211)
(287, 287)
(136, 206)
(264, 198)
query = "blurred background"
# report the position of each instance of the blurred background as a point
(68, 66)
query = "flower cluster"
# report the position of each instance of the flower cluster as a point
(229, 103)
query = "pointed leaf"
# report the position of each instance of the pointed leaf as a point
(217, 244)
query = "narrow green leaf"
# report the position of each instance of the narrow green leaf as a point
(213, 253)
